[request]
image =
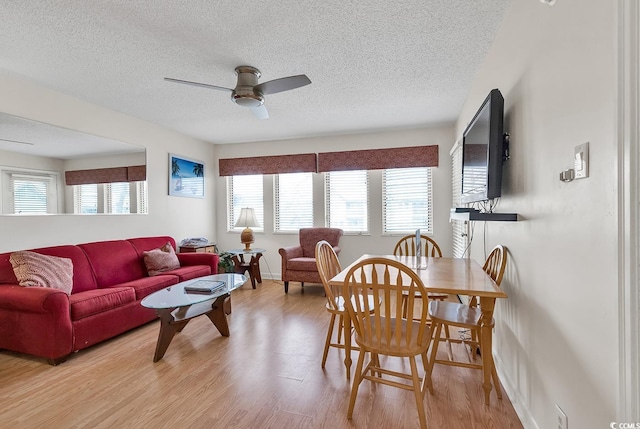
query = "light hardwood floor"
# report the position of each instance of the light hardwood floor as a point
(265, 375)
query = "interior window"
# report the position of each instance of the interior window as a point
(347, 200)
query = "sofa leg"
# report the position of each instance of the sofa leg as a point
(56, 361)
(286, 287)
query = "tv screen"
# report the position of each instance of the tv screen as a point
(482, 150)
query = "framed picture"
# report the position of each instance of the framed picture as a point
(186, 177)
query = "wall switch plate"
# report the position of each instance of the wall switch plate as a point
(581, 161)
(563, 421)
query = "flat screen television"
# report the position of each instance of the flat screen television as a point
(482, 151)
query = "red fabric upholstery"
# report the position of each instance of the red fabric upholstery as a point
(83, 279)
(113, 262)
(109, 280)
(302, 264)
(299, 263)
(35, 321)
(144, 244)
(92, 302)
(147, 285)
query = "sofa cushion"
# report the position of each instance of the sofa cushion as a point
(34, 269)
(142, 244)
(88, 303)
(113, 262)
(302, 264)
(190, 272)
(159, 260)
(148, 285)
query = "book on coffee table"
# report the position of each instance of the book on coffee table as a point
(204, 286)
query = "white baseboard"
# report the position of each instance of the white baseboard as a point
(521, 408)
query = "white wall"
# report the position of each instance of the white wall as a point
(352, 245)
(168, 215)
(556, 335)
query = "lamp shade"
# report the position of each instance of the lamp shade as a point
(247, 218)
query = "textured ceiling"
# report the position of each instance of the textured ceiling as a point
(373, 64)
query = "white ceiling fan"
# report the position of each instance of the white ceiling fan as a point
(248, 92)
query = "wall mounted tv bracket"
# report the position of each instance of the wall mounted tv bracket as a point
(505, 147)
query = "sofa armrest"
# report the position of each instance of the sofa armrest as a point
(337, 249)
(210, 259)
(36, 321)
(34, 299)
(290, 252)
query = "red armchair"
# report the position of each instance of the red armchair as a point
(299, 262)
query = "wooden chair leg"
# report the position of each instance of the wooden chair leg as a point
(340, 329)
(328, 341)
(426, 381)
(418, 392)
(434, 351)
(356, 384)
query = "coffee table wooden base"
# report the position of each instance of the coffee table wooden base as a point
(173, 320)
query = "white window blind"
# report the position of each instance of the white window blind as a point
(293, 201)
(85, 198)
(141, 197)
(347, 200)
(244, 191)
(28, 192)
(460, 228)
(118, 199)
(406, 200)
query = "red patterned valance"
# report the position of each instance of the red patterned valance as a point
(377, 159)
(268, 164)
(133, 173)
(137, 173)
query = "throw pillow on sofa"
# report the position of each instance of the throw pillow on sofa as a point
(159, 260)
(35, 269)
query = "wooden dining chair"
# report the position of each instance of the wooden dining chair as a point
(381, 329)
(328, 266)
(406, 246)
(466, 316)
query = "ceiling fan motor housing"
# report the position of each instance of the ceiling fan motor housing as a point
(244, 93)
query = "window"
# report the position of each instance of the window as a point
(293, 201)
(85, 198)
(28, 192)
(347, 200)
(119, 197)
(406, 200)
(460, 228)
(244, 191)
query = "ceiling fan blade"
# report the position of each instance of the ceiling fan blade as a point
(204, 85)
(260, 112)
(283, 84)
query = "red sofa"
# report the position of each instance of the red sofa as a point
(109, 281)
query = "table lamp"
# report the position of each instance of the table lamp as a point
(247, 219)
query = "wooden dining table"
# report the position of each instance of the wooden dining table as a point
(454, 276)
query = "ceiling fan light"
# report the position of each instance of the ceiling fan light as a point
(247, 98)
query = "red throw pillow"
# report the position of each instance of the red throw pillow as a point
(34, 269)
(160, 260)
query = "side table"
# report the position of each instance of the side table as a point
(252, 265)
(203, 248)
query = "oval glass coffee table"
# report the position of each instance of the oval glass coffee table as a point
(176, 306)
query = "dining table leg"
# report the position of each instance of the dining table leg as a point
(486, 332)
(347, 344)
